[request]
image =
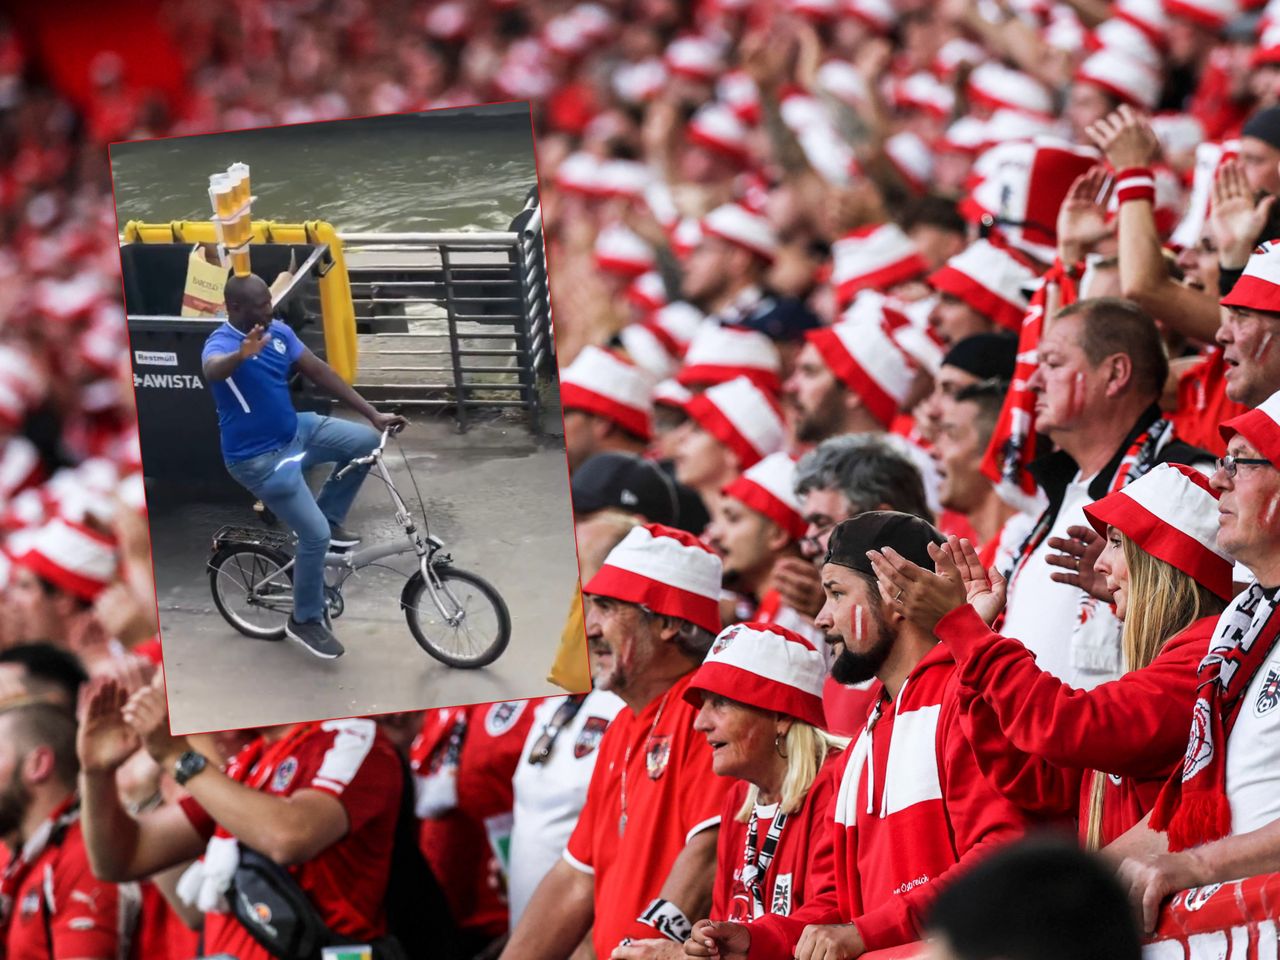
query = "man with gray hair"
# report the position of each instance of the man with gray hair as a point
(640, 862)
(841, 478)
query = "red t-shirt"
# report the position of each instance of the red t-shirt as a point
(86, 916)
(476, 772)
(161, 934)
(347, 881)
(802, 865)
(671, 796)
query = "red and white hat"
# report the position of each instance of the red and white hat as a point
(668, 393)
(874, 257)
(1170, 512)
(624, 178)
(735, 223)
(669, 571)
(719, 354)
(765, 666)
(742, 417)
(1149, 16)
(955, 52)
(448, 21)
(924, 91)
(580, 173)
(841, 79)
(620, 250)
(968, 135)
(695, 58)
(1259, 286)
(648, 291)
(639, 82)
(1268, 49)
(1126, 39)
(658, 343)
(602, 383)
(737, 91)
(1124, 78)
(1260, 426)
(719, 129)
(821, 10)
(867, 361)
(988, 279)
(994, 85)
(908, 325)
(879, 15)
(72, 557)
(911, 158)
(1210, 14)
(769, 488)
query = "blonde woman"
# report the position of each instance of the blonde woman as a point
(1099, 754)
(760, 691)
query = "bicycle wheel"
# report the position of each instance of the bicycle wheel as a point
(252, 590)
(475, 627)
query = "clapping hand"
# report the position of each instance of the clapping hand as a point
(1126, 138)
(1082, 218)
(1236, 220)
(1077, 553)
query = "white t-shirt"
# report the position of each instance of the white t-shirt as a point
(1253, 752)
(549, 796)
(1074, 636)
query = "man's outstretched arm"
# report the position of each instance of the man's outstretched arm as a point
(324, 376)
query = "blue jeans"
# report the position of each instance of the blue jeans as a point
(277, 479)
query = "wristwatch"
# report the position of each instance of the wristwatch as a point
(188, 765)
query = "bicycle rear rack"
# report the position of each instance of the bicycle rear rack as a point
(238, 535)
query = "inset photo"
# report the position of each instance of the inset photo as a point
(349, 416)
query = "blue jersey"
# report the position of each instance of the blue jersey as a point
(255, 411)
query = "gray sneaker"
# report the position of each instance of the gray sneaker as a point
(341, 537)
(315, 638)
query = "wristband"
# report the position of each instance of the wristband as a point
(1135, 183)
(668, 919)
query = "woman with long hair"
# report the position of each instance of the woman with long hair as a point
(1101, 754)
(760, 691)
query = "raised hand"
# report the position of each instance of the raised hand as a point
(1126, 138)
(1077, 553)
(254, 341)
(799, 584)
(984, 590)
(147, 713)
(1235, 219)
(104, 741)
(924, 597)
(1082, 218)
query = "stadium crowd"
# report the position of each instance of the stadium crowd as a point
(921, 384)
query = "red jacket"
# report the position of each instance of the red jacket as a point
(912, 805)
(1133, 728)
(801, 868)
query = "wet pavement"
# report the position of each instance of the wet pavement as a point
(497, 496)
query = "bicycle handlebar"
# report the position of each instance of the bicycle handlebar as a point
(374, 455)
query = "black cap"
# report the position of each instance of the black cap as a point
(1265, 126)
(625, 482)
(781, 319)
(877, 529)
(986, 356)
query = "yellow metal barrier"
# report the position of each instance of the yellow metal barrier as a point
(337, 310)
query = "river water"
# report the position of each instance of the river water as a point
(467, 169)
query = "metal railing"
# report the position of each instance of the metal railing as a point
(453, 320)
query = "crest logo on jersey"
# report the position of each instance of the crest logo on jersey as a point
(1197, 897)
(725, 639)
(590, 736)
(284, 774)
(278, 344)
(1200, 744)
(1269, 695)
(781, 895)
(30, 905)
(502, 717)
(656, 757)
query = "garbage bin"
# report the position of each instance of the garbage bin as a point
(177, 422)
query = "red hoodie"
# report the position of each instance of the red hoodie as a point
(1132, 728)
(912, 804)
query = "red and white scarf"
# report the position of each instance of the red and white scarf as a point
(1193, 806)
(1013, 443)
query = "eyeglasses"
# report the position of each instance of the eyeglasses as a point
(546, 742)
(815, 538)
(1229, 463)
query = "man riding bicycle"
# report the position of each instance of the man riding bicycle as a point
(267, 445)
